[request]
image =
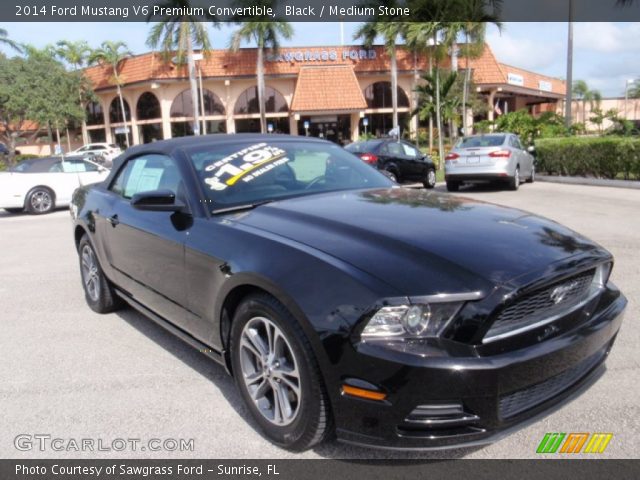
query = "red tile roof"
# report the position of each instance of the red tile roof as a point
(327, 88)
(225, 64)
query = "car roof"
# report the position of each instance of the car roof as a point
(168, 146)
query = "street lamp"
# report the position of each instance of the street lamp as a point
(197, 57)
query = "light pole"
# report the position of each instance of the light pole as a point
(629, 81)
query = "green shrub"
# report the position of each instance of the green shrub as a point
(602, 157)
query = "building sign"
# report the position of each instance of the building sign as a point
(323, 55)
(515, 79)
(545, 86)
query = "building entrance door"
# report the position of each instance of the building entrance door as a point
(336, 128)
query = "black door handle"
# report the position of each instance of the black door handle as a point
(113, 220)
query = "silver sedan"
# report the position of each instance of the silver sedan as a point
(492, 157)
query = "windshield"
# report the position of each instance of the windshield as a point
(237, 174)
(481, 141)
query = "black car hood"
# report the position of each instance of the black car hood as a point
(412, 238)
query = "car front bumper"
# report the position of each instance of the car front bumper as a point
(497, 394)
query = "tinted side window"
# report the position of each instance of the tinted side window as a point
(409, 150)
(146, 173)
(395, 149)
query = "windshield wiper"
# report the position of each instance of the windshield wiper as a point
(245, 206)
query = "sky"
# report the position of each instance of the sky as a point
(606, 55)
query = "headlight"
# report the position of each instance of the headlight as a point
(410, 321)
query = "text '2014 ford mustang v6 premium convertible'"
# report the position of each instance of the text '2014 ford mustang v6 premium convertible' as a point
(342, 303)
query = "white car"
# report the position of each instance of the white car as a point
(41, 184)
(108, 151)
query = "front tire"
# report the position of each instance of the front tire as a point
(532, 178)
(98, 291)
(430, 181)
(40, 200)
(277, 374)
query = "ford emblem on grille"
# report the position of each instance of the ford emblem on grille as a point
(558, 293)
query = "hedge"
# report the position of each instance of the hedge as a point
(600, 157)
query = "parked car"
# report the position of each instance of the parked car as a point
(108, 151)
(494, 157)
(39, 185)
(5, 151)
(341, 303)
(402, 160)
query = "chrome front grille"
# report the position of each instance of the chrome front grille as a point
(541, 305)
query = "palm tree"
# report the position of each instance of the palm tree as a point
(76, 55)
(266, 33)
(449, 98)
(5, 40)
(390, 30)
(112, 54)
(417, 37)
(581, 90)
(181, 33)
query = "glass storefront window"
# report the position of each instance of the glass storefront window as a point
(115, 111)
(252, 125)
(378, 95)
(247, 102)
(148, 107)
(150, 132)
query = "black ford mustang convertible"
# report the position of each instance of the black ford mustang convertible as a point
(341, 303)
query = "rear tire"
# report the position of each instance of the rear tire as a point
(392, 175)
(98, 291)
(514, 182)
(453, 186)
(277, 374)
(40, 200)
(430, 181)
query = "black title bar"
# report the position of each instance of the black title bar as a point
(325, 10)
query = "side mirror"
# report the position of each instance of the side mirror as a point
(157, 201)
(531, 149)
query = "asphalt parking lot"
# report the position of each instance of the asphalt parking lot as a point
(71, 373)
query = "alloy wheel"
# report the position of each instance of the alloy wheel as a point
(41, 201)
(90, 274)
(270, 371)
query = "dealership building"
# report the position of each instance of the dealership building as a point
(332, 92)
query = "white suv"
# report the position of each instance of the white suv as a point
(108, 151)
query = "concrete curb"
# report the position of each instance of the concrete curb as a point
(595, 182)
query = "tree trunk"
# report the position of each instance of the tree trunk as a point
(465, 88)
(11, 159)
(431, 100)
(191, 65)
(439, 114)
(124, 112)
(85, 137)
(416, 78)
(394, 87)
(260, 72)
(58, 137)
(68, 139)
